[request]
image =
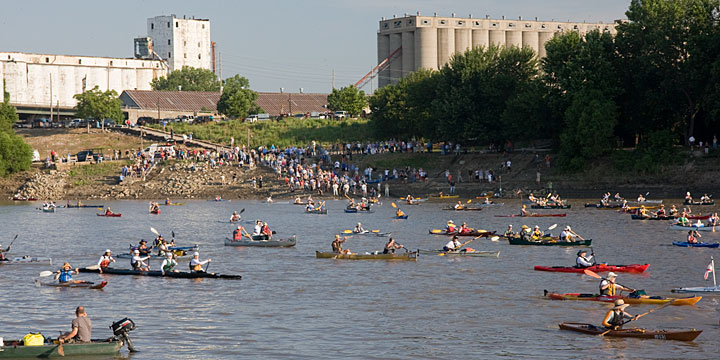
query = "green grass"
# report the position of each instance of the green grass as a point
(283, 133)
(90, 173)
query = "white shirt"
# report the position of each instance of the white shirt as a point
(257, 230)
(452, 244)
(194, 262)
(139, 260)
(583, 262)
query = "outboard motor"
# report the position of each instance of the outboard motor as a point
(121, 329)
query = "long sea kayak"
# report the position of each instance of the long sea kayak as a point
(696, 228)
(483, 233)
(700, 244)
(110, 215)
(699, 203)
(184, 275)
(475, 253)
(555, 206)
(682, 335)
(81, 206)
(533, 215)
(464, 208)
(692, 217)
(632, 268)
(26, 260)
(548, 241)
(85, 285)
(654, 300)
(262, 242)
(409, 256)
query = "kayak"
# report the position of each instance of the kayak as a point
(601, 206)
(299, 203)
(700, 244)
(400, 217)
(110, 215)
(15, 349)
(23, 199)
(696, 228)
(26, 260)
(155, 212)
(81, 206)
(632, 268)
(645, 202)
(475, 253)
(48, 210)
(173, 204)
(536, 206)
(549, 241)
(366, 233)
(682, 335)
(465, 208)
(184, 275)
(409, 256)
(445, 197)
(86, 285)
(640, 217)
(710, 289)
(699, 203)
(655, 300)
(152, 257)
(489, 205)
(354, 211)
(533, 215)
(218, 200)
(262, 243)
(316, 211)
(484, 233)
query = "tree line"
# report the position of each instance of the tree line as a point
(15, 153)
(651, 86)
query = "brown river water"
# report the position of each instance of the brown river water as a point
(291, 305)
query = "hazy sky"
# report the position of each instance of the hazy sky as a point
(290, 44)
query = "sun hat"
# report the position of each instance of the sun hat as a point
(66, 264)
(196, 254)
(108, 250)
(136, 251)
(620, 304)
(169, 254)
(582, 252)
(612, 274)
(525, 227)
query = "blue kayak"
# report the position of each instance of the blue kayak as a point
(701, 244)
(401, 217)
(356, 211)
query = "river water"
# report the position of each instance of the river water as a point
(291, 305)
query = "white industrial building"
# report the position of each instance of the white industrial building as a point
(182, 42)
(417, 42)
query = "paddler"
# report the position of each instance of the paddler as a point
(154, 207)
(537, 233)
(532, 198)
(310, 200)
(608, 287)
(618, 197)
(705, 199)
(567, 234)
(410, 199)
(105, 260)
(235, 217)
(218, 198)
(298, 200)
(238, 233)
(693, 237)
(337, 245)
(713, 220)
(525, 233)
(162, 246)
(688, 198)
(358, 229)
(459, 206)
(144, 250)
(64, 275)
(661, 211)
(3, 251)
(265, 231)
(452, 245)
(450, 227)
(582, 260)
(138, 263)
(399, 213)
(524, 211)
(196, 265)
(269, 199)
(108, 211)
(488, 201)
(464, 229)
(643, 211)
(615, 318)
(391, 246)
(168, 264)
(509, 233)
(257, 230)
(673, 211)
(683, 220)
(641, 198)
(167, 201)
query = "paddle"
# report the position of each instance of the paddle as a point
(45, 274)
(595, 275)
(457, 248)
(495, 238)
(12, 242)
(641, 315)
(576, 234)
(437, 231)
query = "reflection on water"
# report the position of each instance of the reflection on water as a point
(290, 304)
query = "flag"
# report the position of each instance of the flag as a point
(709, 270)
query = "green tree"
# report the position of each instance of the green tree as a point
(99, 105)
(187, 79)
(237, 100)
(349, 99)
(401, 110)
(15, 154)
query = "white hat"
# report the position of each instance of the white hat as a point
(108, 250)
(136, 251)
(537, 227)
(359, 224)
(169, 254)
(196, 254)
(612, 274)
(450, 222)
(568, 227)
(620, 304)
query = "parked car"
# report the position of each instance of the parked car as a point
(341, 114)
(84, 155)
(203, 119)
(109, 123)
(144, 120)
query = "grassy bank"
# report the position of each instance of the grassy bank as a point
(93, 173)
(283, 133)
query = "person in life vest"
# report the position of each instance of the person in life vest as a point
(105, 260)
(450, 227)
(714, 220)
(298, 200)
(234, 217)
(683, 220)
(615, 318)
(524, 211)
(143, 248)
(108, 211)
(138, 263)
(608, 287)
(688, 198)
(168, 264)
(661, 211)
(509, 233)
(693, 237)
(167, 201)
(399, 213)
(567, 234)
(525, 233)
(337, 245)
(705, 199)
(582, 260)
(643, 211)
(459, 206)
(641, 198)
(358, 229)
(238, 233)
(452, 245)
(64, 275)
(464, 229)
(265, 231)
(309, 207)
(195, 263)
(537, 233)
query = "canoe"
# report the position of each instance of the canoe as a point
(400, 217)
(355, 211)
(656, 300)
(632, 268)
(640, 217)
(316, 211)
(110, 215)
(262, 243)
(475, 253)
(483, 233)
(409, 256)
(26, 260)
(549, 242)
(536, 206)
(183, 275)
(48, 210)
(687, 228)
(601, 206)
(682, 335)
(445, 197)
(645, 202)
(533, 215)
(152, 257)
(700, 244)
(711, 289)
(465, 208)
(699, 203)
(14, 349)
(87, 285)
(81, 206)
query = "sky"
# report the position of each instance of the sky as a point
(275, 44)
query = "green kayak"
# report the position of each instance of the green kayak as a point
(15, 349)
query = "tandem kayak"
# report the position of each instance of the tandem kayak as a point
(700, 244)
(548, 241)
(699, 203)
(536, 206)
(26, 260)
(354, 211)
(184, 275)
(682, 335)
(461, 253)
(696, 228)
(262, 243)
(366, 233)
(640, 217)
(533, 215)
(632, 268)
(655, 300)
(81, 206)
(409, 256)
(85, 285)
(483, 233)
(110, 215)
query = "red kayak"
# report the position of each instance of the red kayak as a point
(156, 212)
(533, 215)
(632, 268)
(111, 215)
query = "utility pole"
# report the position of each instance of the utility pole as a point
(220, 70)
(158, 106)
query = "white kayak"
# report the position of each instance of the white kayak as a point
(711, 289)
(27, 260)
(696, 228)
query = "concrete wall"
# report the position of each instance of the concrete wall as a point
(182, 42)
(28, 76)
